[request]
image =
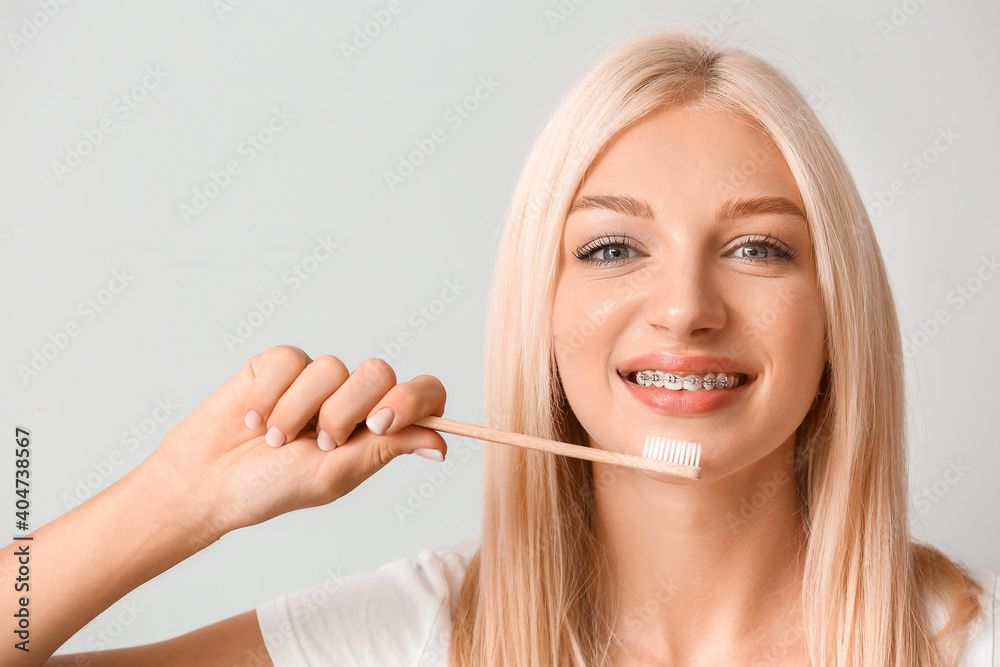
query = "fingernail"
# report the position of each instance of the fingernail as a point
(380, 421)
(432, 454)
(253, 419)
(275, 437)
(325, 442)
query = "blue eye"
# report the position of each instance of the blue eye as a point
(765, 249)
(608, 249)
(611, 249)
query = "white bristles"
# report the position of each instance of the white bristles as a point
(672, 451)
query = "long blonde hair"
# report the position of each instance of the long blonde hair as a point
(532, 595)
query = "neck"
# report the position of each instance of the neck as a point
(719, 561)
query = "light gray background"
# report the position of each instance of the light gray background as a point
(885, 95)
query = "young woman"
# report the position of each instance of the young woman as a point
(685, 221)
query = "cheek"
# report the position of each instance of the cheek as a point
(585, 326)
(790, 318)
(805, 327)
(789, 325)
(583, 322)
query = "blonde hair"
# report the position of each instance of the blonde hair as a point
(532, 593)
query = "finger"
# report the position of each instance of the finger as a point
(302, 400)
(407, 402)
(404, 404)
(409, 439)
(273, 370)
(366, 453)
(353, 400)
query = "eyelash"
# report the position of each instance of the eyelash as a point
(600, 243)
(785, 252)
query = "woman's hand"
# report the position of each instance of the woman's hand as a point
(212, 473)
(288, 432)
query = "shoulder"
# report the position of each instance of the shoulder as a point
(398, 614)
(983, 640)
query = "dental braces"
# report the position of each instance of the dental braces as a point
(670, 378)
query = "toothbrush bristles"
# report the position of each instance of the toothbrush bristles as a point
(672, 451)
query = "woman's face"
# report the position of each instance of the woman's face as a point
(686, 253)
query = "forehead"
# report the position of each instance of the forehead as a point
(687, 157)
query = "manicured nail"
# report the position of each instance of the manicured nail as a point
(253, 419)
(275, 437)
(432, 454)
(380, 421)
(325, 442)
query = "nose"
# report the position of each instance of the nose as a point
(684, 300)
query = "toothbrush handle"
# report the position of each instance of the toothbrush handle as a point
(556, 447)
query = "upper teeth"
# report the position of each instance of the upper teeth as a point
(689, 381)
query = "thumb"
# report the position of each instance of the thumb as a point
(365, 453)
(411, 439)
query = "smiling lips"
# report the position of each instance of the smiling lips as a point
(682, 388)
(688, 382)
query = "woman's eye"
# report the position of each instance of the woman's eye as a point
(612, 253)
(756, 251)
(608, 249)
(765, 250)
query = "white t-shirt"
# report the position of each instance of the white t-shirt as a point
(401, 615)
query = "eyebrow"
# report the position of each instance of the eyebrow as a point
(731, 210)
(619, 204)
